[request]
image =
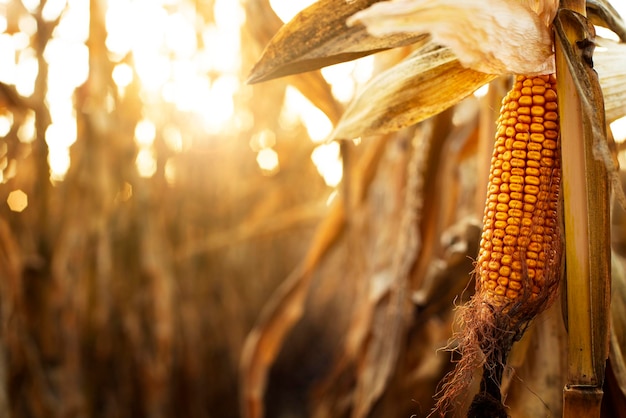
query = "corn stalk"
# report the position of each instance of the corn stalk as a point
(586, 212)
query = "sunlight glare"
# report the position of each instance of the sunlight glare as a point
(620, 6)
(31, 5)
(180, 36)
(59, 160)
(61, 134)
(220, 106)
(188, 90)
(173, 138)
(618, 127)
(482, 91)
(195, 69)
(26, 132)
(20, 41)
(74, 24)
(6, 122)
(122, 75)
(68, 64)
(7, 58)
(145, 132)
(328, 163)
(146, 28)
(606, 33)
(221, 49)
(26, 71)
(152, 69)
(316, 122)
(61, 108)
(146, 163)
(146, 39)
(52, 9)
(229, 13)
(364, 69)
(287, 9)
(267, 159)
(118, 21)
(27, 24)
(339, 76)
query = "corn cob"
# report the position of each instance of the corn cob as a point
(520, 241)
(518, 266)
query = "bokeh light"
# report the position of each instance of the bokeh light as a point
(184, 67)
(6, 122)
(175, 58)
(17, 200)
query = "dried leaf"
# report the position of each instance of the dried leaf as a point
(428, 82)
(602, 13)
(316, 38)
(609, 62)
(493, 31)
(441, 284)
(387, 232)
(312, 85)
(282, 311)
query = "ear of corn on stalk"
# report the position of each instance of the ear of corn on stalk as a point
(521, 237)
(518, 266)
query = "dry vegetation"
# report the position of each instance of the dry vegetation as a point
(229, 293)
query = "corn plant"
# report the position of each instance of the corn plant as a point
(547, 209)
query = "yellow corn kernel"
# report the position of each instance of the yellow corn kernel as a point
(522, 196)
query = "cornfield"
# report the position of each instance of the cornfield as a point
(173, 245)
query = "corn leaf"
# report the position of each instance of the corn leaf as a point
(602, 13)
(316, 38)
(282, 311)
(311, 84)
(610, 61)
(426, 83)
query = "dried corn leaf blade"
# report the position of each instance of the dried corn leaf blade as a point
(601, 13)
(316, 38)
(297, 306)
(282, 311)
(386, 232)
(610, 62)
(426, 83)
(387, 300)
(312, 85)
